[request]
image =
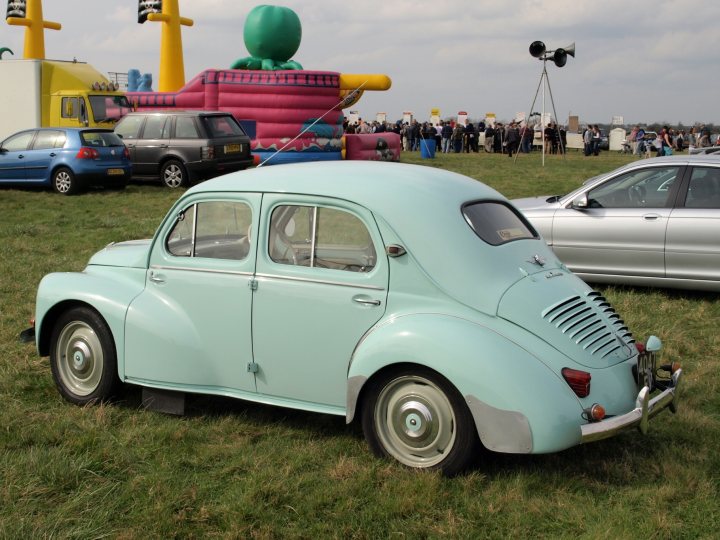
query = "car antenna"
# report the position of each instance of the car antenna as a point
(347, 99)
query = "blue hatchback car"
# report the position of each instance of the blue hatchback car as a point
(68, 159)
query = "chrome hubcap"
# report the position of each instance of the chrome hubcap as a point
(415, 421)
(80, 358)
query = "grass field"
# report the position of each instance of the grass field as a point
(231, 469)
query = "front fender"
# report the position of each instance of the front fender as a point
(519, 404)
(109, 291)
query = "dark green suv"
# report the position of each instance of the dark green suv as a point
(180, 147)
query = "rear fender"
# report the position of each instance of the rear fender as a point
(518, 403)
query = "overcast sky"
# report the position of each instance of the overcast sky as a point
(643, 60)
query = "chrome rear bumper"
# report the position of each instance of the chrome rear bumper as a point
(645, 408)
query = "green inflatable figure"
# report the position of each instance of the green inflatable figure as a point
(272, 35)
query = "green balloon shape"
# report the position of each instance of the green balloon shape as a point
(272, 32)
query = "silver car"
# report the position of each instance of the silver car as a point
(654, 222)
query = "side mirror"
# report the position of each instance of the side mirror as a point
(580, 202)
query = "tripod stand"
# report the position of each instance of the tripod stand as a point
(545, 83)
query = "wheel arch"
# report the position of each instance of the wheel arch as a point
(486, 368)
(108, 297)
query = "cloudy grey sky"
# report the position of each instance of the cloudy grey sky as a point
(645, 61)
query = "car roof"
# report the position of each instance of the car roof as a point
(383, 187)
(422, 205)
(178, 112)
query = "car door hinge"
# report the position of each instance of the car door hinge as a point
(253, 284)
(253, 367)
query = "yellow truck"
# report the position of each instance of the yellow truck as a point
(55, 93)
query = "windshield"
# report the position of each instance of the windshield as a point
(496, 222)
(109, 108)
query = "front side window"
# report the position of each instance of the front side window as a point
(18, 142)
(644, 188)
(70, 107)
(496, 223)
(320, 237)
(129, 127)
(212, 230)
(704, 188)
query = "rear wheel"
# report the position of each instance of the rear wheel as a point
(82, 357)
(417, 417)
(173, 174)
(64, 182)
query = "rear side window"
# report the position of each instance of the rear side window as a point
(49, 139)
(129, 127)
(185, 128)
(704, 189)
(222, 126)
(496, 223)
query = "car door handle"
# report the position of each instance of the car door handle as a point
(156, 278)
(53, 154)
(364, 300)
(21, 156)
(651, 217)
(163, 146)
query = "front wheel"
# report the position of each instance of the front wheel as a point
(173, 174)
(82, 357)
(417, 417)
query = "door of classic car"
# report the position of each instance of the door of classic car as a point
(693, 235)
(190, 327)
(622, 229)
(322, 278)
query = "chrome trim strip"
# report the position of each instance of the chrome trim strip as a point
(644, 410)
(208, 270)
(320, 281)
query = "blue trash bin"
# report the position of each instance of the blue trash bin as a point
(427, 148)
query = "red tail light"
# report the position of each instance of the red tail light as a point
(87, 153)
(126, 153)
(640, 346)
(578, 380)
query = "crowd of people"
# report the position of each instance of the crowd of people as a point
(668, 140)
(455, 137)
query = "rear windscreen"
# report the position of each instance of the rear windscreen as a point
(497, 223)
(222, 126)
(100, 138)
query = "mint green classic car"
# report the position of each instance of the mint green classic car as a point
(415, 301)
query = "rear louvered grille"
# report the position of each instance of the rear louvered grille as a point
(590, 322)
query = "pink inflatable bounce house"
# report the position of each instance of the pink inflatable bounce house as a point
(290, 114)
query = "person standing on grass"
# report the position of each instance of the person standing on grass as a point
(489, 139)
(512, 138)
(446, 134)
